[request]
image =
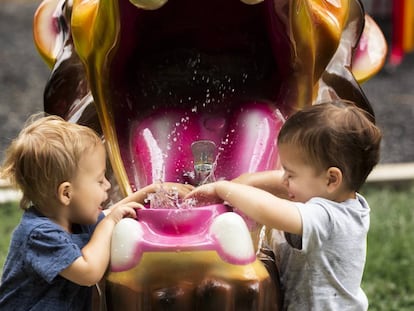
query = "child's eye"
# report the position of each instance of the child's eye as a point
(289, 176)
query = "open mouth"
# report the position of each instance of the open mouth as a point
(220, 71)
(193, 54)
(175, 73)
(189, 71)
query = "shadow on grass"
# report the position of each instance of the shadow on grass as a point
(388, 279)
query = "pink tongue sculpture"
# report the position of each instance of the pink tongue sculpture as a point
(245, 143)
(164, 153)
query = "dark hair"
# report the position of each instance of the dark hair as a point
(335, 134)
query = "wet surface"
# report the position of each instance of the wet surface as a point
(23, 76)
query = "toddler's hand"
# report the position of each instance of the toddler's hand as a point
(125, 210)
(204, 195)
(182, 189)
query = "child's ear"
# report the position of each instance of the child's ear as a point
(65, 192)
(334, 178)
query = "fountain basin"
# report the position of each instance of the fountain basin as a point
(209, 228)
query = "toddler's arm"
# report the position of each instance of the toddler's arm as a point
(270, 181)
(260, 205)
(89, 269)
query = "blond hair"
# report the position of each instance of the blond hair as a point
(45, 153)
(335, 134)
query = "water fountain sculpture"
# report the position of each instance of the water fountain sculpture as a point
(181, 87)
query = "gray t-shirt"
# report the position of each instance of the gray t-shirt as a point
(322, 270)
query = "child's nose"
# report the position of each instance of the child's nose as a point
(285, 180)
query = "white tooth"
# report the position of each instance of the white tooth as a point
(148, 4)
(251, 1)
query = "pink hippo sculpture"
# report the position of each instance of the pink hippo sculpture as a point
(156, 78)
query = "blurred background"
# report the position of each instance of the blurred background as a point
(390, 263)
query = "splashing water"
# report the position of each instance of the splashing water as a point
(168, 199)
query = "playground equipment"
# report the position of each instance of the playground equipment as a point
(155, 77)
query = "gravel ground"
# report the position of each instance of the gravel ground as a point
(23, 75)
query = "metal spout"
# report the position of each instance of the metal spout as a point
(204, 153)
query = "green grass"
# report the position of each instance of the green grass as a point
(10, 214)
(389, 273)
